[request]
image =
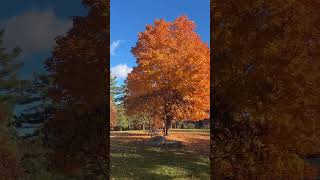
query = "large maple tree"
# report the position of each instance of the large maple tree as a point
(171, 79)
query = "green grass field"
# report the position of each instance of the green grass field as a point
(131, 159)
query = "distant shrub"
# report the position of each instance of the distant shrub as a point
(190, 126)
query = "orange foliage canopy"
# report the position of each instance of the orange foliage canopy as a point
(171, 79)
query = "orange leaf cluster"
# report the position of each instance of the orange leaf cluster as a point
(113, 114)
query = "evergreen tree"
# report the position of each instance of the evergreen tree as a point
(10, 92)
(117, 94)
(114, 89)
(10, 86)
(39, 106)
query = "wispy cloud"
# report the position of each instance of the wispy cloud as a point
(34, 30)
(114, 46)
(121, 70)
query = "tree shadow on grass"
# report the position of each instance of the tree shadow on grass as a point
(131, 161)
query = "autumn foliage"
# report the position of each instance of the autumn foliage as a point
(171, 79)
(77, 133)
(113, 114)
(266, 88)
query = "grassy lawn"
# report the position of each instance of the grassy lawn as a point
(132, 158)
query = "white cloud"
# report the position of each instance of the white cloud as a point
(114, 46)
(34, 30)
(121, 71)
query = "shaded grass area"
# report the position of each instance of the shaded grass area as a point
(135, 160)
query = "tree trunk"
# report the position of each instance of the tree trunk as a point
(166, 129)
(167, 121)
(167, 126)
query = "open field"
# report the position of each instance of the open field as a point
(133, 158)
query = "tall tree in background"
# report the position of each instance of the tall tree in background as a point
(117, 94)
(114, 89)
(172, 75)
(10, 167)
(113, 114)
(77, 134)
(113, 92)
(266, 88)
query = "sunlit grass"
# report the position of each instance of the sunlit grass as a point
(130, 161)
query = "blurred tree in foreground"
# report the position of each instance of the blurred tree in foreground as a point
(77, 133)
(10, 167)
(265, 88)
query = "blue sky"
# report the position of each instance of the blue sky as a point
(33, 25)
(128, 18)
